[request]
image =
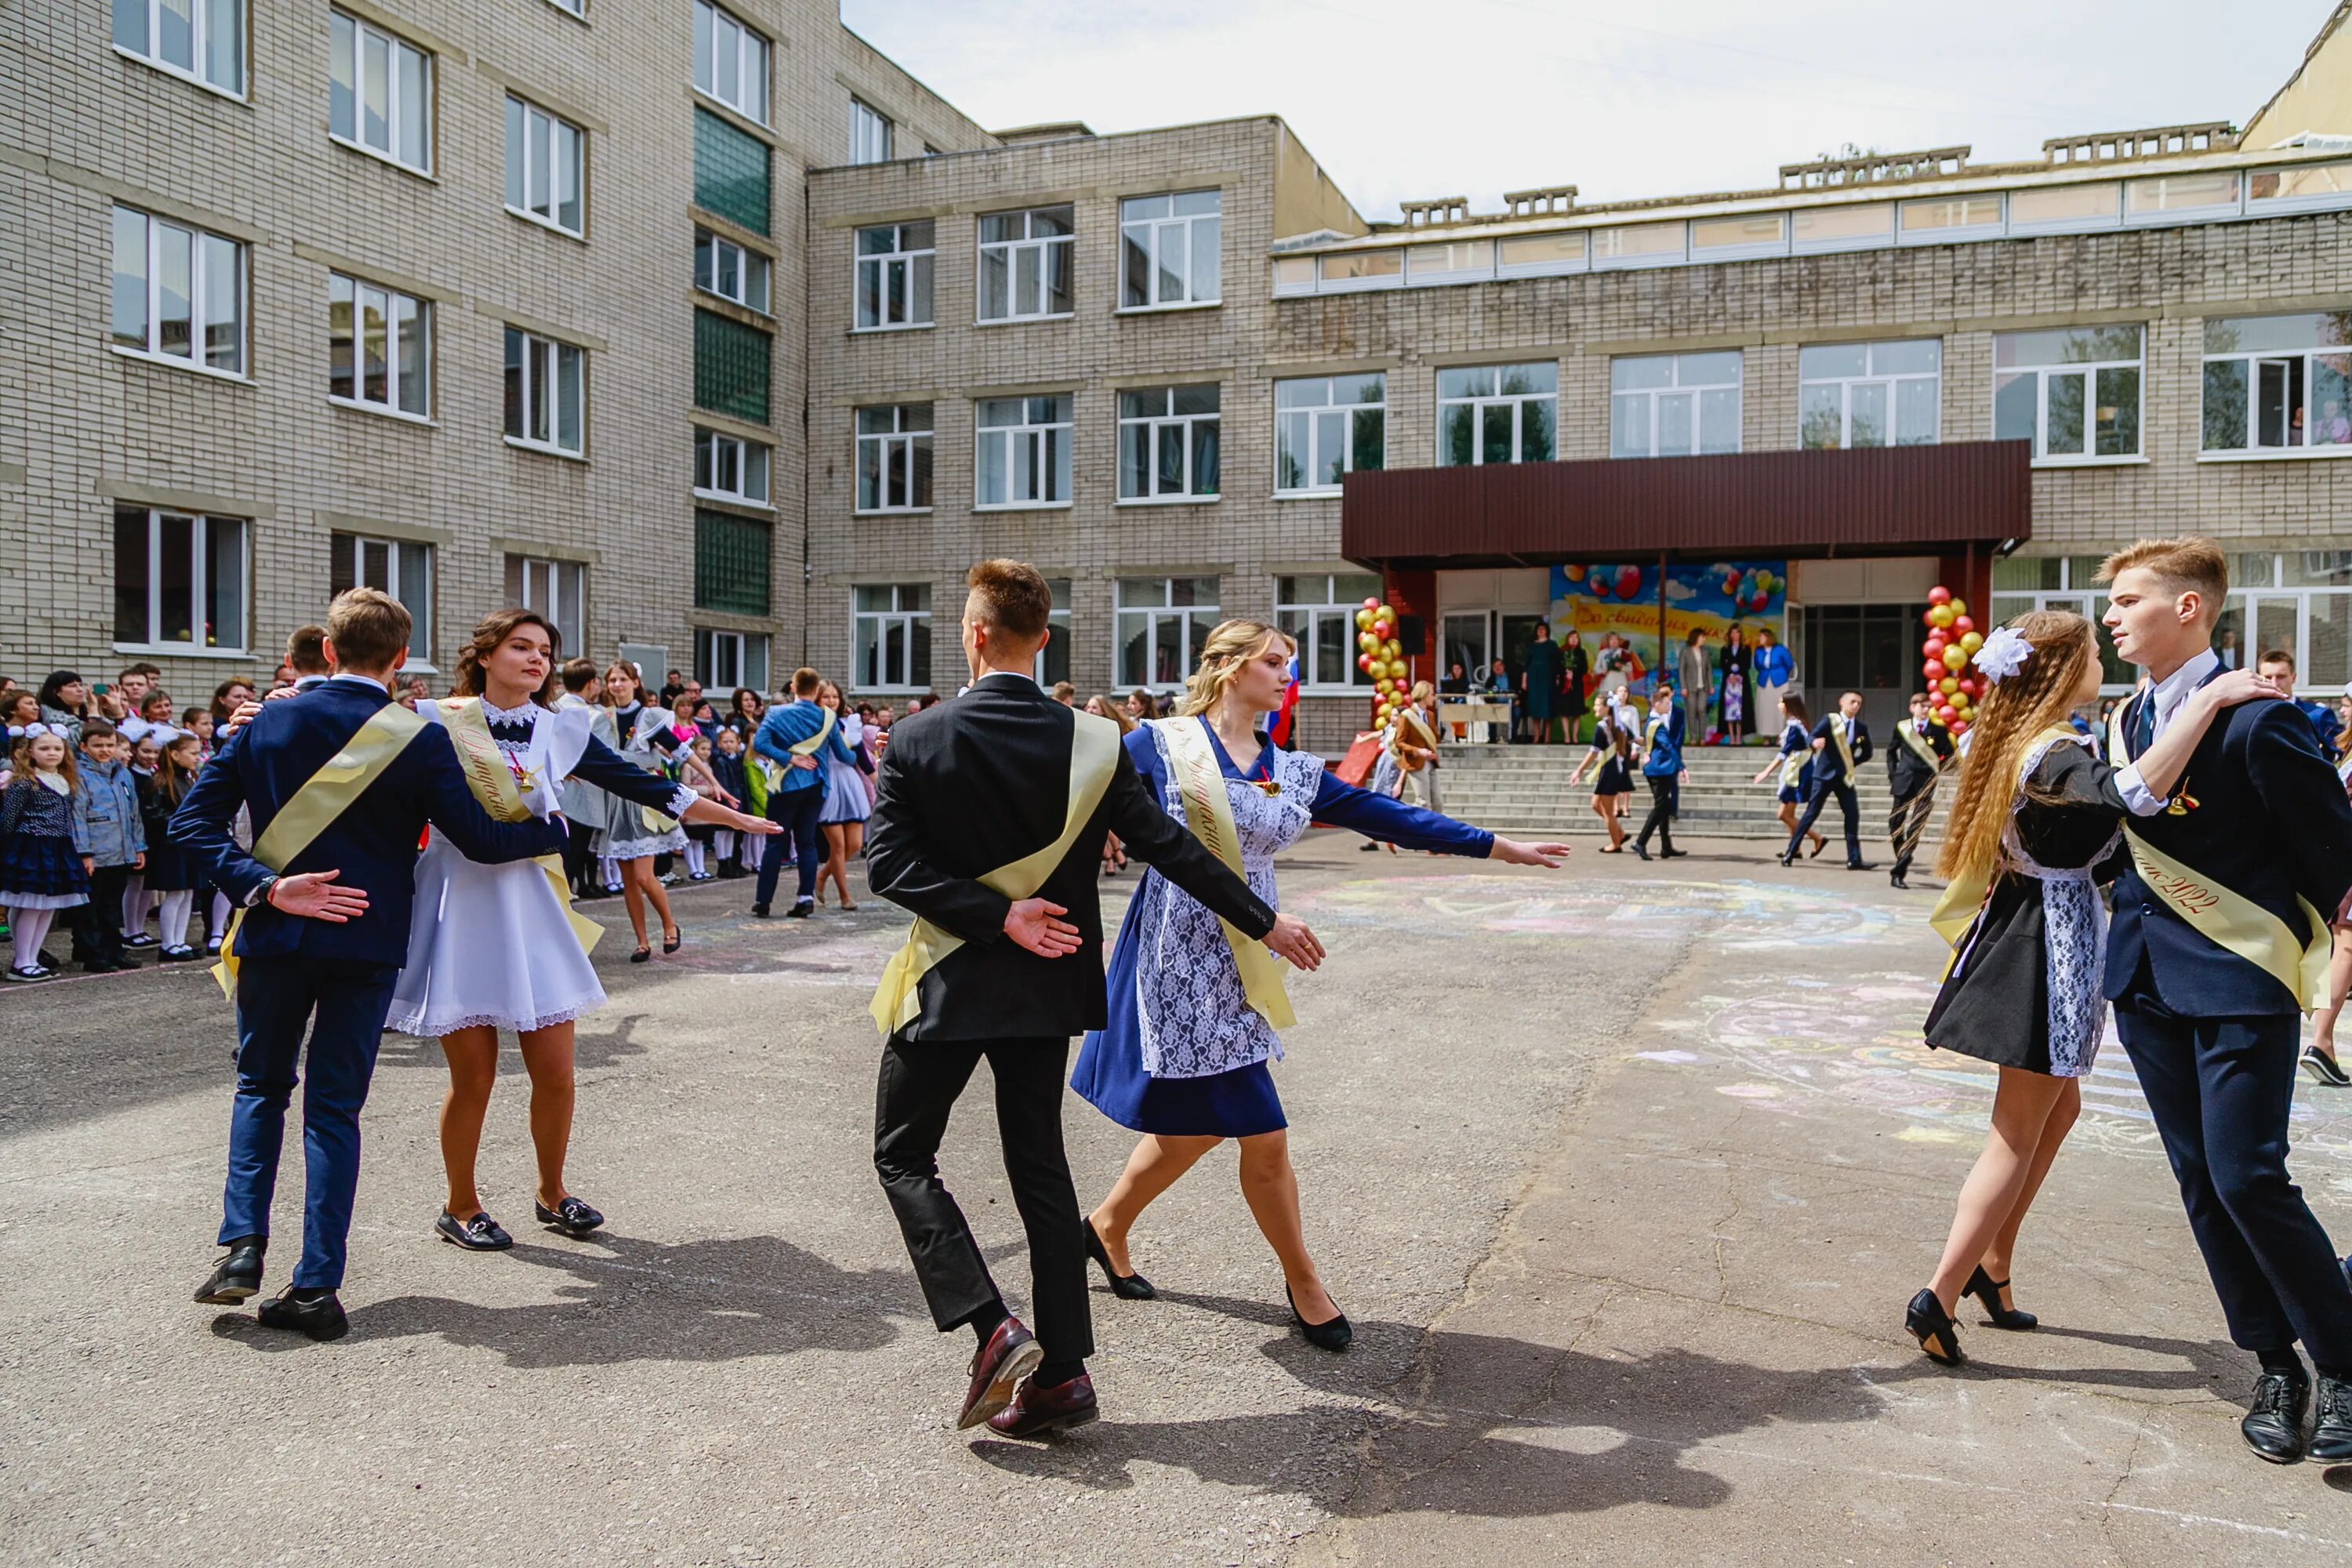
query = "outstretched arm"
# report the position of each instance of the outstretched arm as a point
(450, 806)
(201, 826)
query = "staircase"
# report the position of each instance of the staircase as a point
(1520, 791)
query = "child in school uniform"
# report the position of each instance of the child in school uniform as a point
(145, 755)
(40, 873)
(700, 835)
(726, 760)
(171, 877)
(112, 842)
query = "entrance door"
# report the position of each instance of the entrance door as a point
(1870, 649)
(1463, 640)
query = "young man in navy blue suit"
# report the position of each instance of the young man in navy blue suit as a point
(324, 936)
(2262, 819)
(1832, 777)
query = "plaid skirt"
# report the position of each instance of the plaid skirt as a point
(41, 871)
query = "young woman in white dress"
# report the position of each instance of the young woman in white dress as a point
(645, 737)
(497, 947)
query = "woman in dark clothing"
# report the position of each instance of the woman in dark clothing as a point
(1735, 694)
(1539, 685)
(1575, 671)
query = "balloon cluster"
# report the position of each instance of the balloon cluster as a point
(1381, 656)
(1751, 590)
(1952, 641)
(1624, 582)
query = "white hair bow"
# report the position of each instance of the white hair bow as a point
(2003, 655)
(29, 731)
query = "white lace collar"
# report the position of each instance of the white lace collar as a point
(527, 714)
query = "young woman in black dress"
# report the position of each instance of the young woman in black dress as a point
(2036, 827)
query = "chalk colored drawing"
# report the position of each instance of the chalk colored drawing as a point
(1736, 916)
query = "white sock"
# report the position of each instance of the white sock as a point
(216, 917)
(723, 841)
(177, 907)
(693, 859)
(27, 928)
(134, 905)
(611, 870)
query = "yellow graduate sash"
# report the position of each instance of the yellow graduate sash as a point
(1845, 747)
(1094, 760)
(1792, 770)
(494, 784)
(1919, 744)
(1964, 900)
(324, 796)
(1421, 735)
(774, 770)
(1209, 812)
(2227, 919)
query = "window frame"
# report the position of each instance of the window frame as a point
(707, 668)
(2090, 458)
(1478, 403)
(863, 117)
(556, 348)
(392, 409)
(908, 259)
(199, 37)
(1299, 619)
(419, 605)
(521, 569)
(909, 619)
(765, 54)
(577, 10)
(1038, 431)
(2253, 360)
(901, 437)
(1187, 614)
(744, 447)
(1890, 380)
(1155, 428)
(199, 275)
(1697, 390)
(361, 31)
(199, 580)
(1043, 669)
(1156, 227)
(555, 124)
(1350, 435)
(1011, 248)
(745, 259)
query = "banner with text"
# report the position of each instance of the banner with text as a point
(1615, 609)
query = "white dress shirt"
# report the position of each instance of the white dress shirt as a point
(2168, 695)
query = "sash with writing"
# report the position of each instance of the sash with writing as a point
(500, 793)
(1209, 812)
(1094, 760)
(1844, 746)
(324, 796)
(1920, 746)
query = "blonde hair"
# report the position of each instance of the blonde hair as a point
(2013, 714)
(2193, 564)
(1230, 644)
(1423, 691)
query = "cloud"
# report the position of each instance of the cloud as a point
(1677, 590)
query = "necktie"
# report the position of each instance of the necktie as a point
(2144, 724)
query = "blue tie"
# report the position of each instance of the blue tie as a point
(2144, 724)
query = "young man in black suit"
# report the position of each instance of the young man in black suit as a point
(324, 930)
(1914, 763)
(2259, 824)
(1840, 745)
(970, 790)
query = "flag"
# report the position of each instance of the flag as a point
(1285, 718)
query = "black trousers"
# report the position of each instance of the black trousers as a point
(2220, 1088)
(579, 865)
(918, 1087)
(97, 924)
(797, 811)
(1661, 810)
(1907, 821)
(1847, 804)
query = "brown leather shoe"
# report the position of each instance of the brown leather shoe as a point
(1011, 1354)
(1036, 1411)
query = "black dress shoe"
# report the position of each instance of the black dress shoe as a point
(1934, 1328)
(1987, 1291)
(479, 1234)
(239, 1278)
(320, 1317)
(801, 908)
(1332, 1335)
(1861, 865)
(2331, 1437)
(1036, 1411)
(1126, 1287)
(570, 1216)
(760, 911)
(1788, 859)
(1895, 880)
(998, 1367)
(2273, 1427)
(1640, 848)
(1671, 853)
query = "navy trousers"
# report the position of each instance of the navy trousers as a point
(276, 999)
(2220, 1088)
(1847, 804)
(797, 811)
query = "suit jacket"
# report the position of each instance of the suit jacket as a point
(373, 843)
(2271, 821)
(1906, 774)
(977, 782)
(1829, 767)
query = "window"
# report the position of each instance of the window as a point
(2202, 195)
(1497, 414)
(1533, 255)
(179, 293)
(400, 568)
(731, 173)
(203, 40)
(1842, 227)
(543, 166)
(1053, 659)
(556, 589)
(1319, 612)
(727, 468)
(2065, 206)
(2278, 383)
(1362, 269)
(730, 62)
(731, 560)
(1163, 621)
(725, 660)
(1639, 245)
(1023, 457)
(179, 580)
(1672, 406)
(379, 348)
(1732, 238)
(577, 7)
(1452, 261)
(1936, 219)
(546, 392)
(894, 458)
(890, 636)
(1167, 443)
(733, 366)
(894, 276)
(1869, 395)
(2024, 582)
(1168, 249)
(2073, 391)
(869, 133)
(1025, 264)
(379, 93)
(1324, 427)
(725, 268)
(2303, 185)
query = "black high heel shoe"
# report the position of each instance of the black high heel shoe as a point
(1334, 1335)
(1934, 1328)
(1126, 1287)
(1988, 1290)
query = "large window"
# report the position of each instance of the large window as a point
(1025, 264)
(727, 468)
(734, 365)
(732, 555)
(203, 40)
(894, 458)
(1024, 454)
(890, 636)
(894, 275)
(1319, 613)
(179, 580)
(2279, 383)
(1169, 250)
(544, 158)
(1167, 443)
(379, 347)
(556, 589)
(730, 62)
(547, 393)
(1870, 394)
(1499, 413)
(1326, 426)
(2073, 391)
(379, 92)
(725, 268)
(1674, 405)
(2022, 583)
(869, 133)
(399, 567)
(731, 172)
(179, 293)
(1163, 621)
(725, 660)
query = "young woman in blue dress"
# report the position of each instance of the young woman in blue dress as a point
(1183, 1060)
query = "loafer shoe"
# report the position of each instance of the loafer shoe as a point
(479, 1234)
(570, 1216)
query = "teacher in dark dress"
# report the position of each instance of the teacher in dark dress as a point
(1539, 686)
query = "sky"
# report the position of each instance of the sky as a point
(1407, 98)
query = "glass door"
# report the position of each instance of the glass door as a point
(1463, 640)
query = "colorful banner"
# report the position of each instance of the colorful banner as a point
(1616, 607)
